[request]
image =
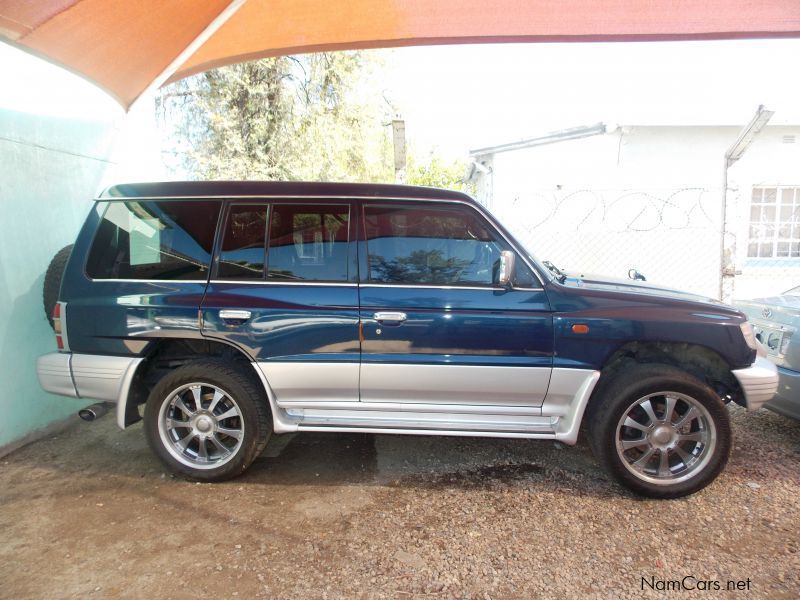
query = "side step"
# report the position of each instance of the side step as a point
(317, 419)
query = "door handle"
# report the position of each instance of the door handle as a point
(390, 317)
(234, 315)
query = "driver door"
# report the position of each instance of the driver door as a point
(436, 326)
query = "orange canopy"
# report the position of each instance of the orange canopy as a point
(129, 46)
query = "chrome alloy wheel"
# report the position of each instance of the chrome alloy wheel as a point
(201, 425)
(665, 438)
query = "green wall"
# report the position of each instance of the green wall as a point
(50, 168)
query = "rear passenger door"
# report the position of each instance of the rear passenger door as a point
(437, 328)
(284, 289)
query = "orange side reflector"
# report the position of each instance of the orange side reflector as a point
(580, 328)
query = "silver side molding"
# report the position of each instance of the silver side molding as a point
(454, 384)
(124, 391)
(280, 422)
(100, 377)
(437, 421)
(312, 381)
(447, 432)
(298, 404)
(567, 398)
(420, 407)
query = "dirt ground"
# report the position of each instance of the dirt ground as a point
(91, 513)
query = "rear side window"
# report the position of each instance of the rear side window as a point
(243, 243)
(154, 240)
(308, 242)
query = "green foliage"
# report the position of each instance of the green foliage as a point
(291, 118)
(434, 172)
(315, 117)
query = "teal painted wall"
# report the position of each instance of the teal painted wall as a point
(50, 168)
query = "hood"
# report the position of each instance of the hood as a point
(611, 284)
(779, 309)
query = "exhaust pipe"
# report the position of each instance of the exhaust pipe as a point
(95, 411)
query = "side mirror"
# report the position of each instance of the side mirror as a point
(506, 274)
(635, 275)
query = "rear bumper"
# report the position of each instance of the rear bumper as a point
(91, 376)
(55, 374)
(787, 401)
(759, 382)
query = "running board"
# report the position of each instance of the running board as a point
(320, 419)
(448, 432)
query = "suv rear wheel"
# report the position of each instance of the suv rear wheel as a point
(660, 431)
(208, 420)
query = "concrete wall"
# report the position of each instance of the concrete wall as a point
(50, 168)
(62, 140)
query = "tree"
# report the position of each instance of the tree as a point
(291, 118)
(435, 172)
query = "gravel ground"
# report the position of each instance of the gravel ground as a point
(91, 513)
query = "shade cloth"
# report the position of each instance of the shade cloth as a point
(129, 46)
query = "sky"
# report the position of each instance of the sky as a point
(458, 98)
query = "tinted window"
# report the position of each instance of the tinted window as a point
(243, 243)
(308, 242)
(433, 246)
(154, 240)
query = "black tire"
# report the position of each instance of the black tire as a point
(242, 391)
(52, 281)
(690, 465)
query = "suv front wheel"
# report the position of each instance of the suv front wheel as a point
(660, 431)
(207, 420)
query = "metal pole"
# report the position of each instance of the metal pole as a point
(734, 153)
(399, 139)
(723, 228)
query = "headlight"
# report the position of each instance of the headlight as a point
(785, 343)
(773, 340)
(749, 336)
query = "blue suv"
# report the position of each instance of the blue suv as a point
(235, 310)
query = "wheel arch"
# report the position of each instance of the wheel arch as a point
(699, 361)
(165, 355)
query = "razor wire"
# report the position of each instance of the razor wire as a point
(674, 238)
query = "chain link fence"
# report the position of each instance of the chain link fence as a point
(672, 237)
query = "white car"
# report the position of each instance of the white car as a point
(775, 321)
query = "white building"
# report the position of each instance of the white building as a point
(608, 198)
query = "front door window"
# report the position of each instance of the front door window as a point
(440, 246)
